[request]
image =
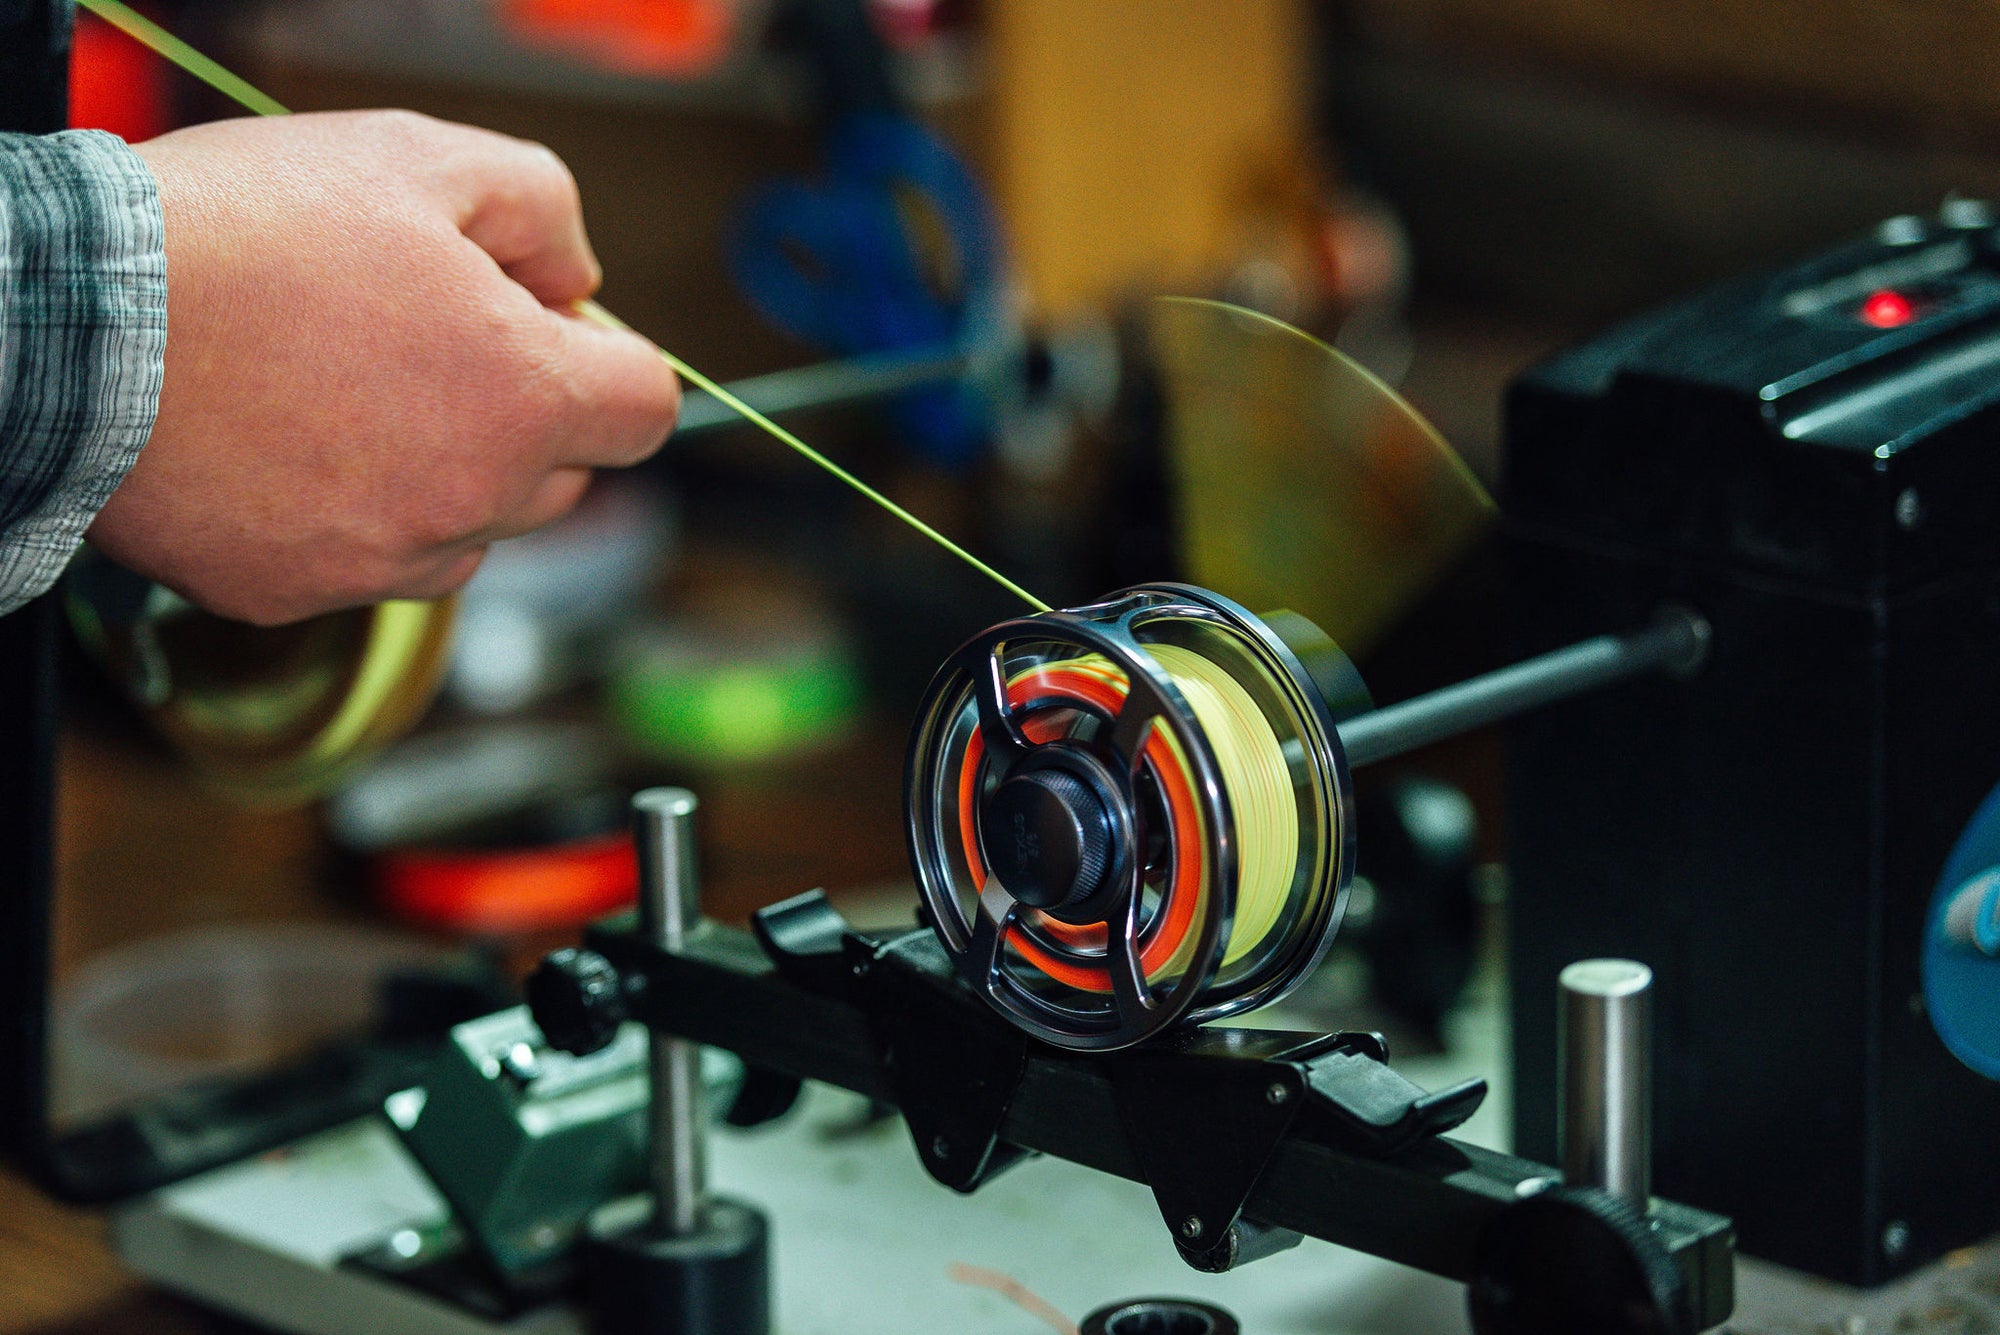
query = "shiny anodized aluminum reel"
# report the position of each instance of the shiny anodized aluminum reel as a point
(1135, 814)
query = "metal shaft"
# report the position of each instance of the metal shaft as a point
(669, 908)
(1606, 1127)
(1677, 642)
(873, 375)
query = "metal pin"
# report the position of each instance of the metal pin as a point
(669, 909)
(1606, 1131)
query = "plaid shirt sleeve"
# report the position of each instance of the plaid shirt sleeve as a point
(83, 332)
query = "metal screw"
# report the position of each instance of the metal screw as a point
(1276, 1094)
(1895, 1239)
(1966, 213)
(1191, 1227)
(860, 971)
(1909, 508)
(1905, 230)
(940, 1148)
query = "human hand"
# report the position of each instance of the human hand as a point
(369, 372)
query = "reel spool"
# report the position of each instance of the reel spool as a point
(1135, 814)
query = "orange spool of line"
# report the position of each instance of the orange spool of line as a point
(504, 892)
(114, 84)
(658, 38)
(1169, 928)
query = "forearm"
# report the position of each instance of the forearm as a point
(83, 327)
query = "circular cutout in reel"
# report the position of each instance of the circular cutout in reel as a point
(1132, 815)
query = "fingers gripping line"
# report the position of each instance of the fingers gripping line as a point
(558, 273)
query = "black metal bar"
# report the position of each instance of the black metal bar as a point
(34, 98)
(34, 65)
(825, 385)
(1425, 1207)
(28, 726)
(1677, 642)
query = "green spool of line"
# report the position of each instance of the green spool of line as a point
(712, 696)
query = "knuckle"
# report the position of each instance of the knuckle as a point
(365, 574)
(469, 503)
(268, 603)
(400, 125)
(549, 168)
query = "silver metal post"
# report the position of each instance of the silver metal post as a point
(669, 908)
(1606, 1131)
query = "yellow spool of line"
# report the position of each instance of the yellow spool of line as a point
(267, 714)
(1259, 784)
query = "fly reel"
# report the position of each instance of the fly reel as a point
(1135, 814)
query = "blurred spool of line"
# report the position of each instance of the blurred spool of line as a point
(707, 694)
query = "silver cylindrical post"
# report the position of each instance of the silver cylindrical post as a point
(1606, 1131)
(669, 908)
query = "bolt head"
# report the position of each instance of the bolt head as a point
(1909, 508)
(578, 1001)
(1191, 1228)
(940, 1148)
(1276, 1093)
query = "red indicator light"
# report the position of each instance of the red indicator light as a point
(1887, 310)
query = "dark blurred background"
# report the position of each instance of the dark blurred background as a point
(1446, 189)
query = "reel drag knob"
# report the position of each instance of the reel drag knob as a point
(1049, 837)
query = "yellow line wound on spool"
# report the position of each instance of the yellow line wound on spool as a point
(1255, 777)
(246, 95)
(1259, 784)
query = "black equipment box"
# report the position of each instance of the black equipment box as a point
(1811, 459)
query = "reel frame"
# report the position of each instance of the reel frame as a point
(976, 675)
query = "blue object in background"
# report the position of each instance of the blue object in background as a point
(841, 263)
(1960, 970)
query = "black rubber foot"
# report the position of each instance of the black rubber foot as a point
(713, 1282)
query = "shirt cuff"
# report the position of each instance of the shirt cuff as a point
(83, 337)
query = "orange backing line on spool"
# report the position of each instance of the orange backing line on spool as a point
(1183, 892)
(512, 890)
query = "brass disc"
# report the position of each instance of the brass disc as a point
(1302, 480)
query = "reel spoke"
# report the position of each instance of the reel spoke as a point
(997, 726)
(1131, 727)
(996, 913)
(1130, 992)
